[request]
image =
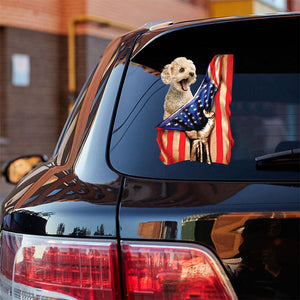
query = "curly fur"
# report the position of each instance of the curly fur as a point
(180, 74)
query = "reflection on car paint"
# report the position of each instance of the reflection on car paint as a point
(65, 197)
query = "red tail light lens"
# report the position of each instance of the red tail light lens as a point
(176, 271)
(55, 268)
(35, 267)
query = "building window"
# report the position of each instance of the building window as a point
(20, 70)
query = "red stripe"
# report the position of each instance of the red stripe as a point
(219, 132)
(159, 136)
(169, 149)
(220, 70)
(228, 101)
(213, 69)
(167, 155)
(218, 115)
(182, 140)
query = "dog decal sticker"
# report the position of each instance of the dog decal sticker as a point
(197, 127)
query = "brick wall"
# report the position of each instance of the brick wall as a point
(52, 16)
(32, 117)
(90, 48)
(32, 114)
(34, 14)
(294, 5)
(137, 12)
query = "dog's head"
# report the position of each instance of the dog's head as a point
(180, 73)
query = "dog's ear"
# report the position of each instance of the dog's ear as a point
(166, 74)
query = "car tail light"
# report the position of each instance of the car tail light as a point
(57, 268)
(35, 267)
(173, 271)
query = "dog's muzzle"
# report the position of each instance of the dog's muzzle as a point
(184, 84)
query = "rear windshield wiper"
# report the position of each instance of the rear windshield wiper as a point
(287, 160)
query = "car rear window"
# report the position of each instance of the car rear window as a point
(244, 105)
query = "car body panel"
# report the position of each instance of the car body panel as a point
(251, 227)
(67, 206)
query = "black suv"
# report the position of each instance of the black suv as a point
(176, 175)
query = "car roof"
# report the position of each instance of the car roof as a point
(156, 39)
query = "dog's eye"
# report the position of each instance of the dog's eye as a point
(181, 70)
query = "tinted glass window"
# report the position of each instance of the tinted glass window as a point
(262, 111)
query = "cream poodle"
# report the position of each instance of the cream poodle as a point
(180, 74)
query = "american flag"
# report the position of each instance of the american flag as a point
(214, 94)
(190, 116)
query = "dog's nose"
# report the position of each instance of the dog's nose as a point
(191, 74)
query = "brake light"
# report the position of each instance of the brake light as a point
(173, 271)
(57, 268)
(35, 267)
